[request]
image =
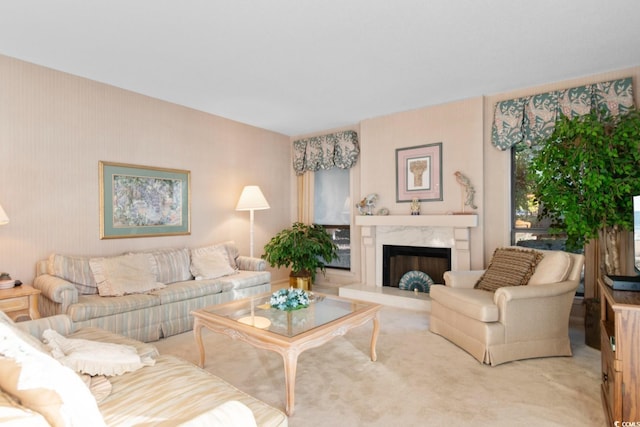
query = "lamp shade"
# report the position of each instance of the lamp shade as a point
(252, 199)
(4, 219)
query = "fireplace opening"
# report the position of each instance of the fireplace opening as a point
(398, 260)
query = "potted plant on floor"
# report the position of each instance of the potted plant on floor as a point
(585, 177)
(303, 247)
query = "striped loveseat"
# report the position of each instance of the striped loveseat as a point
(157, 299)
(39, 387)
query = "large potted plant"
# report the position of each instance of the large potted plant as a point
(585, 177)
(305, 248)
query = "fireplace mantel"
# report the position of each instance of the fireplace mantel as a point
(456, 221)
(449, 231)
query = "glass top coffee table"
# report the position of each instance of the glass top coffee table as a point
(288, 333)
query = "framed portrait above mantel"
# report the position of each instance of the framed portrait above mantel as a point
(143, 201)
(419, 173)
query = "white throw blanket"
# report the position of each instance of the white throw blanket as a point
(93, 357)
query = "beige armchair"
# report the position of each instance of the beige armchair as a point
(514, 322)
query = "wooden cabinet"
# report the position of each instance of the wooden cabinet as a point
(620, 347)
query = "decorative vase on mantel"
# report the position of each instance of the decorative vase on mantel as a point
(415, 206)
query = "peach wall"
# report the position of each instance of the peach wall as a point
(56, 127)
(458, 125)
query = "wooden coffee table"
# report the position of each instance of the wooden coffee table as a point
(288, 333)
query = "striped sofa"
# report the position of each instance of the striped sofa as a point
(69, 286)
(167, 392)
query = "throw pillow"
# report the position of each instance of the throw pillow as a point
(94, 357)
(43, 385)
(172, 264)
(125, 274)
(74, 269)
(210, 263)
(509, 267)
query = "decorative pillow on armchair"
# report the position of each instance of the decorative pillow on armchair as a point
(509, 267)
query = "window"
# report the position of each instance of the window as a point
(526, 228)
(332, 209)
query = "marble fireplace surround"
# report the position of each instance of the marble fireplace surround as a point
(439, 231)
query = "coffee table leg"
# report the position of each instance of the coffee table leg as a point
(290, 358)
(197, 331)
(374, 338)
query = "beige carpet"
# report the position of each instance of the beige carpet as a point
(420, 379)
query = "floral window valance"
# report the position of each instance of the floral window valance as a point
(338, 149)
(532, 119)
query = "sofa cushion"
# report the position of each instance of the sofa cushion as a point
(74, 269)
(181, 291)
(229, 414)
(245, 279)
(42, 384)
(193, 393)
(125, 274)
(472, 303)
(210, 262)
(553, 267)
(509, 267)
(94, 357)
(172, 264)
(93, 306)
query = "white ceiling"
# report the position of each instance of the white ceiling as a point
(300, 66)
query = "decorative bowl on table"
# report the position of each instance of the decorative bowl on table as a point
(7, 284)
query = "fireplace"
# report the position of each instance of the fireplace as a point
(398, 260)
(450, 233)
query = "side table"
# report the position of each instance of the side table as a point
(20, 301)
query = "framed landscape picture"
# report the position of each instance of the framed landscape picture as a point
(419, 173)
(143, 201)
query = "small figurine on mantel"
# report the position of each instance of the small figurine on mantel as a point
(415, 206)
(469, 191)
(367, 205)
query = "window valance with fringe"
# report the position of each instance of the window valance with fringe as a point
(338, 149)
(532, 119)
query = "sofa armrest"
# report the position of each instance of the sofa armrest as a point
(56, 294)
(462, 279)
(251, 263)
(537, 311)
(56, 289)
(60, 323)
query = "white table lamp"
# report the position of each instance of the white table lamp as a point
(251, 200)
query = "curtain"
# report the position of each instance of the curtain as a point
(531, 120)
(338, 149)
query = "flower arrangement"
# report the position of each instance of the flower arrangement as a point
(289, 299)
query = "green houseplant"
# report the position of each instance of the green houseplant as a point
(305, 248)
(585, 176)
